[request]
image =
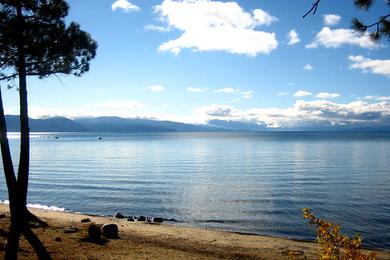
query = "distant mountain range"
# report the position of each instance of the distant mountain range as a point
(104, 124)
(137, 125)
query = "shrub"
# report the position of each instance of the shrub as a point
(335, 245)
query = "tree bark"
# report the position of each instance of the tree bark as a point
(6, 154)
(15, 231)
(18, 215)
(14, 234)
(24, 158)
(18, 187)
(11, 250)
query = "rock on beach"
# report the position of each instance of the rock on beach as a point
(110, 230)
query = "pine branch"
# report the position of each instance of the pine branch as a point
(381, 20)
(364, 4)
(313, 9)
(380, 27)
(9, 77)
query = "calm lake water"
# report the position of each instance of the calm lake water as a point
(244, 182)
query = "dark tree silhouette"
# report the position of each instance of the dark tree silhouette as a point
(34, 41)
(381, 27)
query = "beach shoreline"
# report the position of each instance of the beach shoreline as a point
(139, 240)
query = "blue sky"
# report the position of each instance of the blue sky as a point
(196, 60)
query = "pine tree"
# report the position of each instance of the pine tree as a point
(381, 27)
(34, 41)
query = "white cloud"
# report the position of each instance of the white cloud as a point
(380, 67)
(336, 38)
(301, 114)
(377, 98)
(152, 27)
(229, 90)
(308, 67)
(302, 93)
(216, 26)
(331, 19)
(383, 98)
(156, 88)
(368, 97)
(226, 90)
(293, 37)
(326, 95)
(282, 93)
(247, 94)
(305, 114)
(125, 5)
(263, 18)
(215, 110)
(195, 89)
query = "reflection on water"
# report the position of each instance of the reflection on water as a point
(247, 182)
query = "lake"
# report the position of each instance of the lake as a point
(243, 182)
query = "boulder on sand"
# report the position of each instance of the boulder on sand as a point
(94, 233)
(110, 230)
(154, 220)
(85, 220)
(131, 218)
(158, 220)
(118, 215)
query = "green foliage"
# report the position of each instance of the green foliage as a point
(50, 45)
(335, 245)
(34, 41)
(381, 26)
(379, 29)
(364, 4)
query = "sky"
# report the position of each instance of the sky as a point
(197, 60)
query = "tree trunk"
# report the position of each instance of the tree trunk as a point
(18, 219)
(15, 231)
(24, 158)
(6, 154)
(14, 234)
(18, 192)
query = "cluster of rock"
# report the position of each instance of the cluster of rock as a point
(100, 233)
(139, 218)
(96, 233)
(107, 230)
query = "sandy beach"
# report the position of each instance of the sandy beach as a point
(139, 240)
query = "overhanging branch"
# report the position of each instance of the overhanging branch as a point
(9, 77)
(313, 9)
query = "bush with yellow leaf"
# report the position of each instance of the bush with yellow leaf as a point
(335, 245)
